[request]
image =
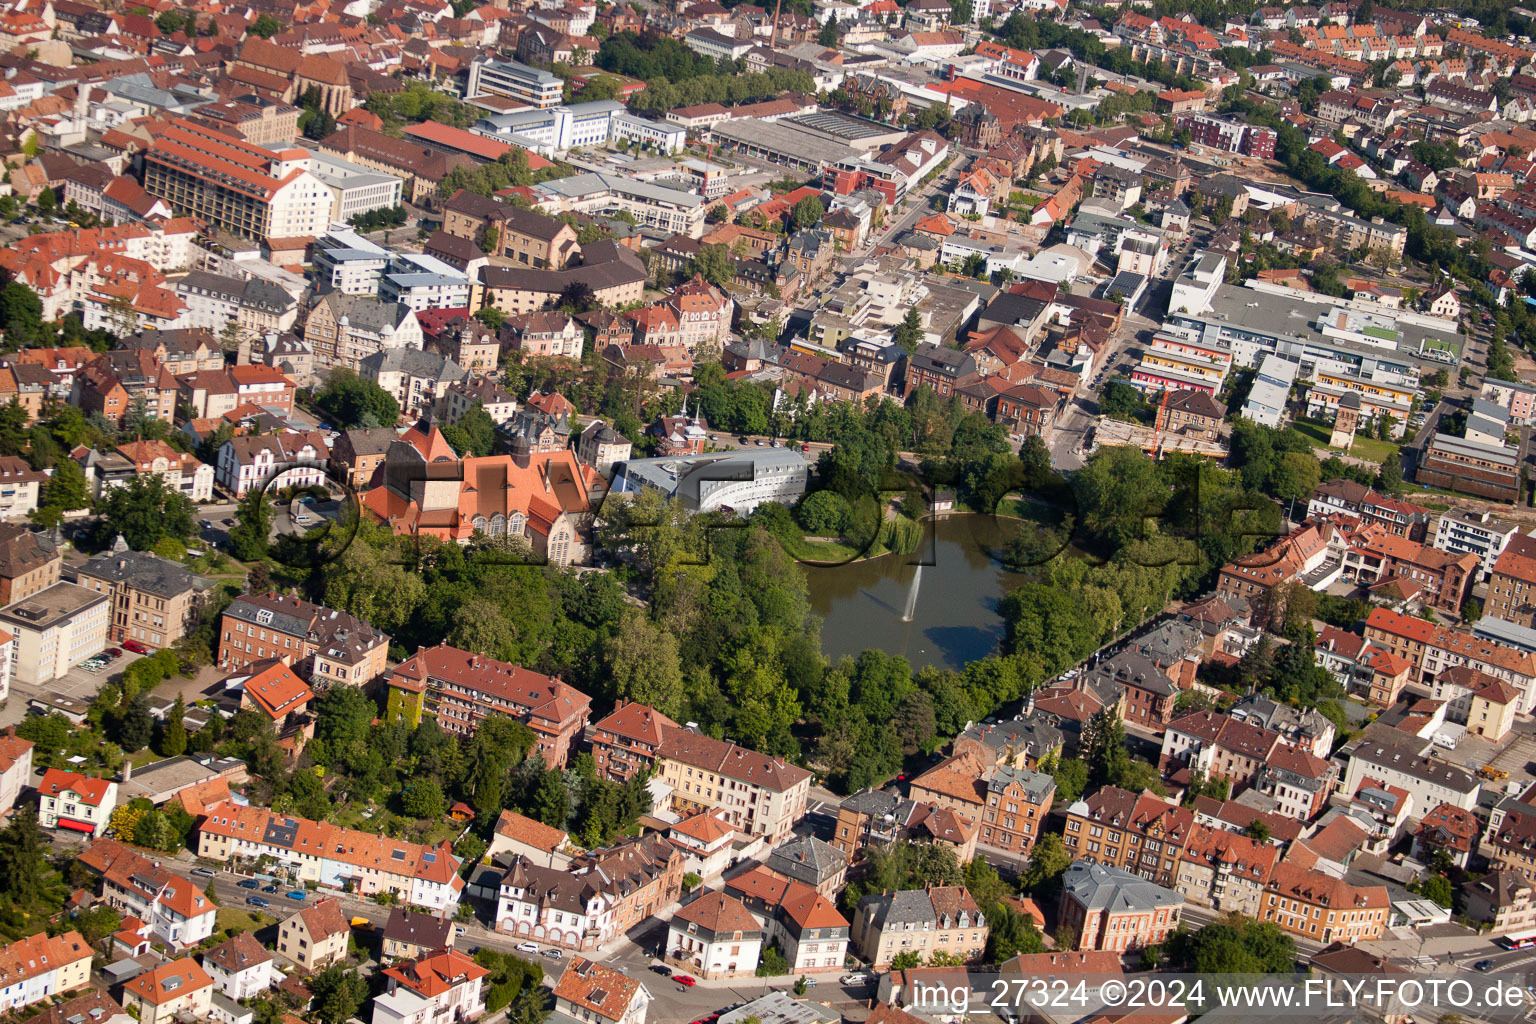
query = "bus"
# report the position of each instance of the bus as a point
(1518, 940)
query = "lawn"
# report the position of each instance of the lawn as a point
(238, 919)
(1368, 448)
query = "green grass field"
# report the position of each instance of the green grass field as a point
(1368, 448)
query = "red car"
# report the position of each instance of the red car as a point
(135, 647)
(684, 980)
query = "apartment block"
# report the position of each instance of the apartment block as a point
(596, 897)
(322, 644)
(533, 86)
(939, 919)
(152, 599)
(1512, 583)
(234, 185)
(55, 629)
(458, 689)
(626, 741)
(759, 795)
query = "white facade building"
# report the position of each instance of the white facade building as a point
(1462, 530)
(741, 480)
(55, 629)
(78, 803)
(254, 461)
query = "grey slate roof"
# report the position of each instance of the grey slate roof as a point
(807, 859)
(1115, 890)
(145, 571)
(416, 363)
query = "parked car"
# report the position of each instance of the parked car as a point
(248, 883)
(257, 901)
(527, 947)
(298, 895)
(269, 888)
(856, 978)
(362, 924)
(553, 954)
(660, 969)
(683, 979)
(205, 872)
(112, 652)
(135, 647)
(460, 930)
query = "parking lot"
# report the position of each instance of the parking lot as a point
(80, 683)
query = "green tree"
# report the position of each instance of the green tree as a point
(909, 332)
(64, 491)
(173, 733)
(644, 663)
(551, 804)
(250, 537)
(715, 264)
(1390, 478)
(137, 725)
(423, 799)
(265, 27)
(824, 513)
(145, 511)
(827, 36)
(339, 991)
(807, 213)
(47, 202)
(23, 863)
(772, 963)
(349, 401)
(21, 314)
(1433, 887)
(1047, 862)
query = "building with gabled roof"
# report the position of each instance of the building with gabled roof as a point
(805, 924)
(314, 936)
(521, 836)
(626, 740)
(240, 967)
(545, 498)
(274, 690)
(1313, 905)
(760, 795)
(944, 917)
(320, 643)
(715, 936)
(408, 935)
(589, 991)
(79, 803)
(1136, 831)
(38, 967)
(597, 897)
(1225, 870)
(169, 906)
(169, 991)
(423, 876)
(459, 688)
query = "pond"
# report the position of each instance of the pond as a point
(936, 606)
